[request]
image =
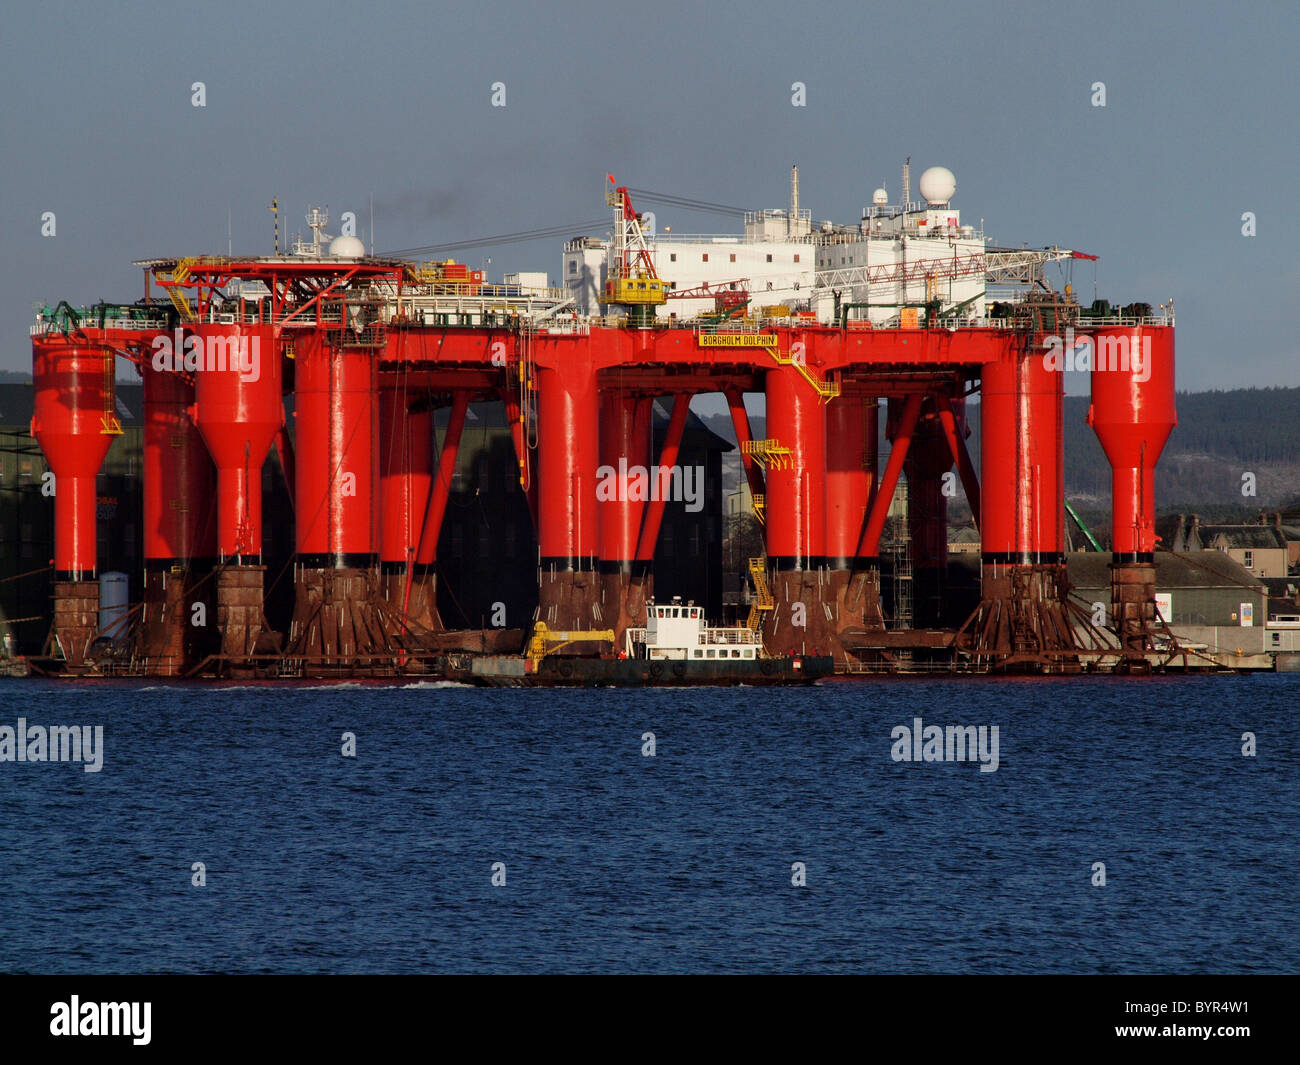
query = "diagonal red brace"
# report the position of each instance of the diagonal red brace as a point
(515, 418)
(740, 422)
(284, 451)
(957, 445)
(654, 510)
(440, 489)
(869, 543)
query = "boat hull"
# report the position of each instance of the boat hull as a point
(573, 672)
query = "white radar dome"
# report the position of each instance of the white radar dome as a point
(938, 185)
(347, 247)
(880, 197)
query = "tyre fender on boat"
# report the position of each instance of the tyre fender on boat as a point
(656, 670)
(679, 669)
(767, 667)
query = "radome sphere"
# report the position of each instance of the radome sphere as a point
(938, 184)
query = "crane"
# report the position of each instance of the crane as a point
(633, 282)
(730, 298)
(1008, 265)
(546, 641)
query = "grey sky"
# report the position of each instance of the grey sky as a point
(332, 103)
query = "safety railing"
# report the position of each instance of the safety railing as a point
(1088, 322)
(50, 325)
(744, 637)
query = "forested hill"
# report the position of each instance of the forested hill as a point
(1219, 437)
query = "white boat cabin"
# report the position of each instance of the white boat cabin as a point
(679, 631)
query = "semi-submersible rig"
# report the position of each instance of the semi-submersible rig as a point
(902, 307)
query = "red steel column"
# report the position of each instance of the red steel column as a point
(928, 459)
(625, 448)
(1022, 449)
(796, 516)
(568, 415)
(336, 454)
(336, 486)
(1133, 412)
(796, 500)
(999, 465)
(405, 479)
(73, 394)
(849, 477)
(852, 463)
(239, 411)
(180, 524)
(1024, 616)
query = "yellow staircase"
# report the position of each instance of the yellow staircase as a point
(762, 601)
(827, 390)
(770, 454)
(759, 505)
(178, 299)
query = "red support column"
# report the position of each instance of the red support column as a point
(622, 491)
(796, 517)
(928, 460)
(180, 526)
(405, 480)
(852, 462)
(239, 411)
(1133, 412)
(73, 391)
(1021, 437)
(568, 451)
(335, 488)
(337, 457)
(1024, 620)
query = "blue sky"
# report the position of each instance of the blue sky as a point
(332, 104)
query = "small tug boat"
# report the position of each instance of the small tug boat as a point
(676, 647)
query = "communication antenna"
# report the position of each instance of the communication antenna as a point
(275, 212)
(791, 222)
(907, 183)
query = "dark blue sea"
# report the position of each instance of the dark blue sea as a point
(680, 862)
